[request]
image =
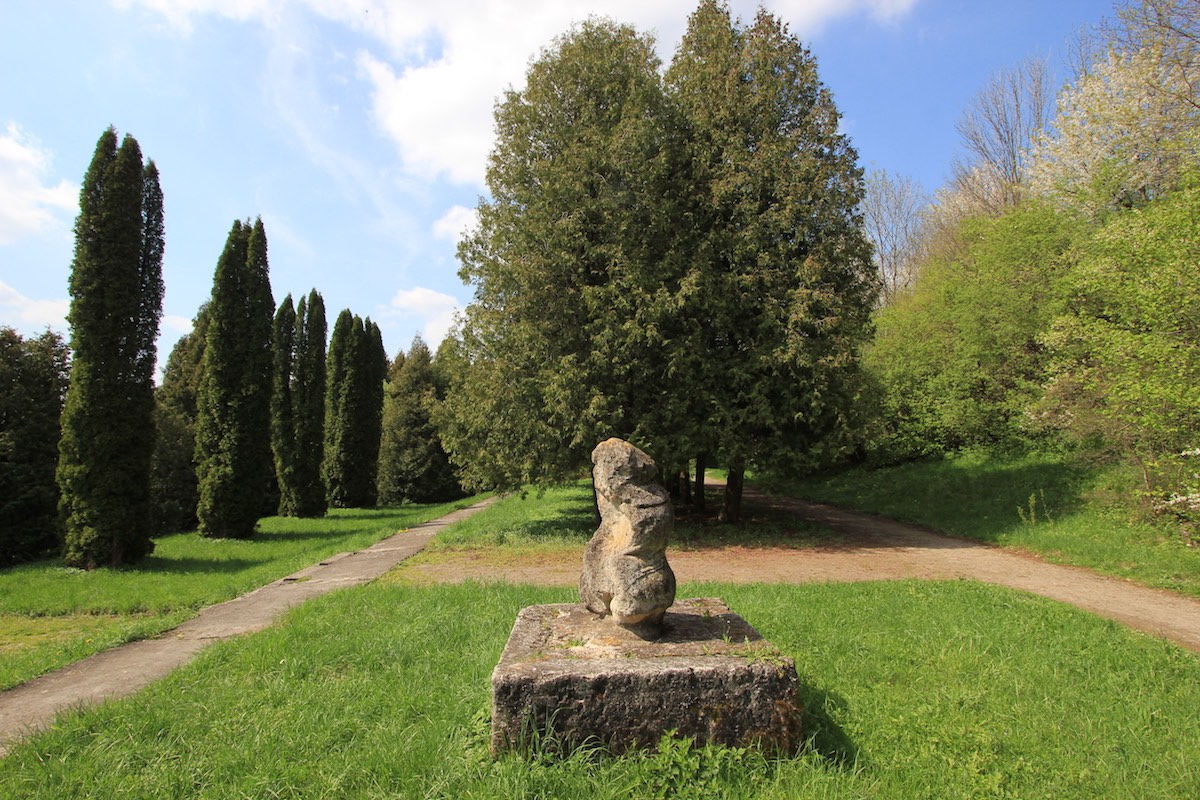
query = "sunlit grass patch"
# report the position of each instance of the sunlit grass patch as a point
(1047, 504)
(92, 611)
(912, 690)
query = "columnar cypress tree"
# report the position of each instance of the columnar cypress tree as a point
(337, 400)
(283, 422)
(298, 406)
(33, 380)
(233, 440)
(374, 370)
(354, 411)
(308, 402)
(116, 302)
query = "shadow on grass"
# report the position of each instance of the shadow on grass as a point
(207, 566)
(984, 499)
(571, 523)
(824, 737)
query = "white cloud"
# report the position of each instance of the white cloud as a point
(26, 205)
(173, 324)
(29, 315)
(179, 13)
(455, 223)
(433, 310)
(444, 63)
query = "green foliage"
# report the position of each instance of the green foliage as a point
(116, 302)
(412, 464)
(233, 444)
(298, 406)
(1127, 346)
(573, 264)
(174, 489)
(308, 401)
(679, 264)
(355, 372)
(283, 423)
(33, 381)
(782, 266)
(960, 358)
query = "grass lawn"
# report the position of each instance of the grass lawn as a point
(1043, 503)
(561, 518)
(913, 690)
(51, 615)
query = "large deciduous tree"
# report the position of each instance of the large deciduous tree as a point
(116, 302)
(233, 434)
(894, 214)
(355, 372)
(33, 383)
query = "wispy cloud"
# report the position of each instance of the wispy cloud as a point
(455, 223)
(432, 311)
(31, 315)
(27, 204)
(440, 66)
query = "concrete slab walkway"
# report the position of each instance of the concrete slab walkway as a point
(124, 670)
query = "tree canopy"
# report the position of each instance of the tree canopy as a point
(233, 435)
(675, 261)
(116, 301)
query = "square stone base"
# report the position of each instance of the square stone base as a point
(568, 677)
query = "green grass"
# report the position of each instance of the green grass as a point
(51, 615)
(1043, 503)
(561, 518)
(913, 690)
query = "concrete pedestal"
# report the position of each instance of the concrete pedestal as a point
(567, 678)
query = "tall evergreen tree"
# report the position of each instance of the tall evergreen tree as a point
(412, 463)
(298, 406)
(116, 303)
(577, 270)
(283, 421)
(356, 369)
(782, 266)
(233, 439)
(308, 399)
(33, 382)
(336, 465)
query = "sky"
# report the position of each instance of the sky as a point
(359, 129)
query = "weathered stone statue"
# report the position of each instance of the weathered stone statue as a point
(625, 569)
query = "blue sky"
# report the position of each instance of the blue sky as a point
(359, 129)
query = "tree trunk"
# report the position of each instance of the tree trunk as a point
(698, 494)
(731, 511)
(685, 486)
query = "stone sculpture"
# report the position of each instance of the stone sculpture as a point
(625, 570)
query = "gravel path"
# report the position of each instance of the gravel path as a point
(873, 548)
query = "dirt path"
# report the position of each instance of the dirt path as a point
(874, 548)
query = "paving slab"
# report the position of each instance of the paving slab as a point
(123, 670)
